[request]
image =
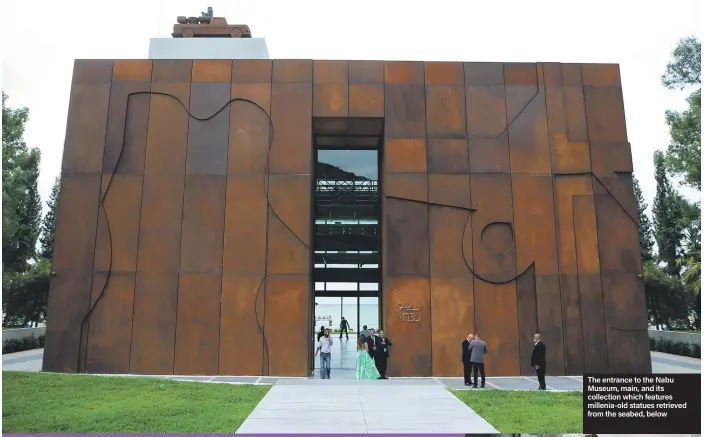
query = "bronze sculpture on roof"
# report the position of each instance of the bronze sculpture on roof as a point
(208, 26)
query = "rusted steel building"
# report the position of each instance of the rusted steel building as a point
(202, 199)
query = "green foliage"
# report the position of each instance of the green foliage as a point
(669, 208)
(25, 277)
(683, 156)
(685, 67)
(645, 227)
(21, 204)
(42, 403)
(23, 344)
(675, 347)
(49, 222)
(668, 303)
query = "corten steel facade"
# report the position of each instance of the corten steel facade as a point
(184, 234)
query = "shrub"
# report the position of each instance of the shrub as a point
(22, 344)
(696, 352)
(675, 347)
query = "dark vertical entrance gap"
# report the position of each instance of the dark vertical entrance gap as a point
(346, 232)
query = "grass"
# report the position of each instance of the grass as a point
(34, 403)
(527, 412)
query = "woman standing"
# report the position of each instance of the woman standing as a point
(365, 365)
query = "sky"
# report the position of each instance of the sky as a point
(37, 64)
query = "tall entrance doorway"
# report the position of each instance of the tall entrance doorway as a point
(346, 249)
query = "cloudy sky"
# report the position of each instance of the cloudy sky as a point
(41, 39)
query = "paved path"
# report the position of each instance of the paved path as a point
(358, 407)
(28, 361)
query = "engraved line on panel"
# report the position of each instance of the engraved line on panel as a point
(105, 193)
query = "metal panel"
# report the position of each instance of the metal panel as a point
(244, 248)
(289, 224)
(117, 237)
(366, 100)
(69, 298)
(444, 73)
(529, 145)
(405, 155)
(208, 129)
(444, 115)
(203, 224)
(85, 128)
(452, 303)
(404, 110)
(241, 339)
(404, 72)
(110, 324)
(566, 188)
(211, 70)
(407, 245)
(605, 114)
(92, 71)
(534, 221)
(167, 137)
(292, 71)
(527, 309)
(171, 70)
(601, 75)
(566, 122)
(486, 124)
(291, 112)
(619, 248)
(132, 70)
(411, 354)
(572, 325)
(250, 128)
(483, 74)
(126, 137)
(596, 358)
(448, 156)
(492, 227)
(547, 290)
(287, 325)
(251, 71)
(197, 325)
(496, 322)
(154, 323)
(330, 89)
(75, 224)
(160, 224)
(366, 72)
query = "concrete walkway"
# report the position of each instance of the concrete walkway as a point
(359, 407)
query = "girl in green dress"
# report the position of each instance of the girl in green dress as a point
(366, 369)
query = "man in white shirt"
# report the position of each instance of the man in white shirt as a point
(325, 348)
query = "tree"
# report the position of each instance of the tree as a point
(684, 152)
(645, 230)
(668, 304)
(49, 222)
(21, 203)
(667, 217)
(685, 66)
(24, 279)
(685, 148)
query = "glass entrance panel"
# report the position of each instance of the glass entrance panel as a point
(349, 312)
(369, 312)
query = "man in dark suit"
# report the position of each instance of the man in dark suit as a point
(382, 354)
(372, 341)
(537, 360)
(466, 362)
(477, 349)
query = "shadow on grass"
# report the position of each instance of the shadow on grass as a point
(34, 403)
(527, 412)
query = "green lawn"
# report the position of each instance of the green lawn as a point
(34, 403)
(527, 412)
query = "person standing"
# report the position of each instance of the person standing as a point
(466, 362)
(325, 349)
(477, 350)
(365, 368)
(538, 361)
(372, 341)
(364, 332)
(382, 354)
(344, 325)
